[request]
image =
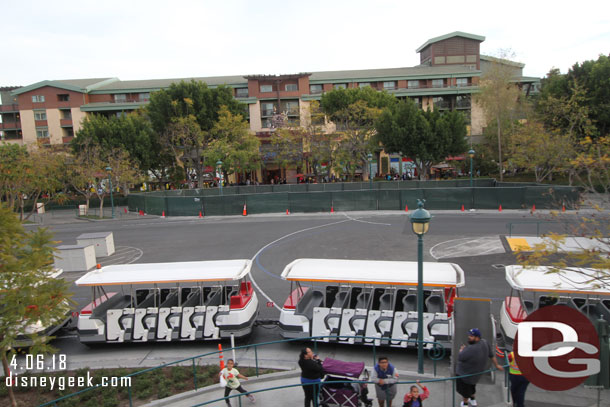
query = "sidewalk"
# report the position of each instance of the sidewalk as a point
(441, 393)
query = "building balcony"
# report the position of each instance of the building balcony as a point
(13, 108)
(130, 100)
(65, 122)
(10, 126)
(12, 135)
(67, 139)
(43, 140)
(41, 123)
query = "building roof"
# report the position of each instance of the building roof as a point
(76, 85)
(503, 61)
(451, 35)
(392, 73)
(157, 84)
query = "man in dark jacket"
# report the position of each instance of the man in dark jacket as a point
(311, 374)
(473, 359)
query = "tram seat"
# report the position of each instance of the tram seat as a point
(149, 301)
(340, 299)
(546, 300)
(170, 301)
(363, 300)
(412, 321)
(214, 299)
(115, 302)
(439, 328)
(313, 298)
(409, 303)
(529, 306)
(229, 292)
(435, 304)
(591, 311)
(192, 299)
(385, 302)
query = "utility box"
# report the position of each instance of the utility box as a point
(39, 207)
(103, 242)
(82, 210)
(75, 257)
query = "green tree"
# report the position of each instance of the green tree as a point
(354, 112)
(184, 116)
(499, 98)
(539, 150)
(131, 132)
(28, 292)
(426, 137)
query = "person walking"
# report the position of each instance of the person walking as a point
(518, 382)
(231, 375)
(311, 374)
(473, 359)
(385, 377)
(413, 398)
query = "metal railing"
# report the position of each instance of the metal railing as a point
(436, 352)
(565, 224)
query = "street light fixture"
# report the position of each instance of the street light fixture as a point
(369, 157)
(109, 171)
(420, 222)
(219, 170)
(471, 154)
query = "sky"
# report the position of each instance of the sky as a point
(132, 39)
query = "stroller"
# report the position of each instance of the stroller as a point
(334, 394)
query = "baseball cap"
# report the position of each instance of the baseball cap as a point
(475, 332)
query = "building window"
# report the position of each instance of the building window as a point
(267, 109)
(63, 98)
(38, 98)
(291, 108)
(389, 85)
(66, 114)
(315, 88)
(462, 102)
(291, 87)
(441, 102)
(40, 115)
(42, 133)
(413, 84)
(438, 83)
(144, 97)
(462, 82)
(340, 86)
(266, 88)
(241, 92)
(364, 84)
(120, 98)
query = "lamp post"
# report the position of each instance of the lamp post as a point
(471, 154)
(420, 221)
(369, 157)
(219, 170)
(109, 171)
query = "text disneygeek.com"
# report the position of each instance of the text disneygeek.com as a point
(62, 382)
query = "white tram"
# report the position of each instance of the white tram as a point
(187, 301)
(373, 299)
(536, 287)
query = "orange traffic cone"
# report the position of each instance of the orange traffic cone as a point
(500, 208)
(200, 215)
(287, 212)
(462, 208)
(125, 210)
(222, 362)
(533, 208)
(563, 208)
(245, 212)
(406, 208)
(163, 214)
(332, 209)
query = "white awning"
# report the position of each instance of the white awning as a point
(569, 280)
(160, 273)
(373, 272)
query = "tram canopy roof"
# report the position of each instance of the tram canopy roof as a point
(373, 272)
(567, 280)
(160, 273)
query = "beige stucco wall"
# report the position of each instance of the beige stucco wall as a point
(55, 133)
(426, 102)
(304, 114)
(77, 118)
(477, 118)
(28, 127)
(255, 116)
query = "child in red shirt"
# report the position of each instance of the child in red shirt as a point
(413, 398)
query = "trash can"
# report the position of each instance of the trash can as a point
(39, 207)
(82, 210)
